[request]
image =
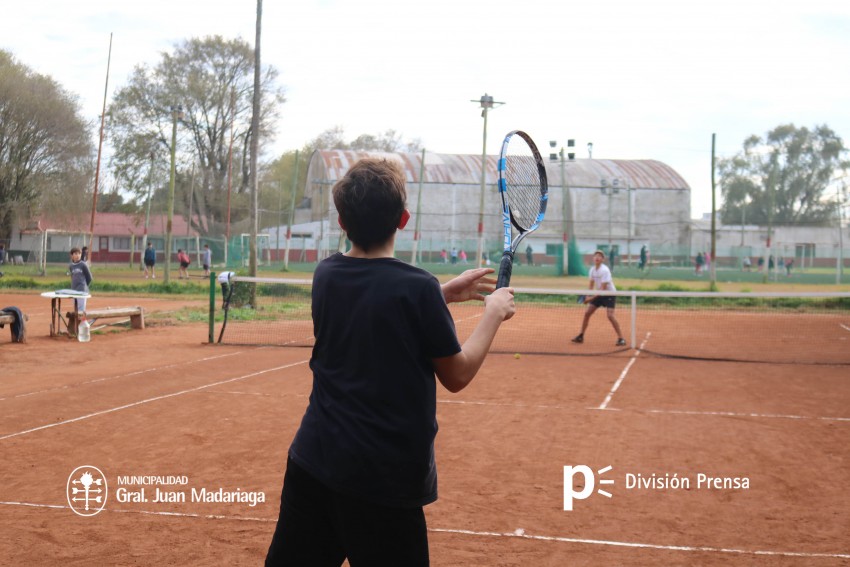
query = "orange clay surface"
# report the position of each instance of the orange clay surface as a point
(161, 402)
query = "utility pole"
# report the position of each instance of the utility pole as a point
(291, 214)
(176, 114)
(713, 272)
(418, 225)
(567, 234)
(99, 148)
(487, 103)
(147, 214)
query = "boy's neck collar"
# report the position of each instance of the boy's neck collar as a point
(385, 250)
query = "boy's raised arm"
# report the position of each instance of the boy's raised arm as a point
(457, 371)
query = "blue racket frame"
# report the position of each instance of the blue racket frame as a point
(511, 243)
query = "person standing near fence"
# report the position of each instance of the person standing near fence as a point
(600, 278)
(80, 276)
(184, 260)
(150, 260)
(207, 260)
(699, 262)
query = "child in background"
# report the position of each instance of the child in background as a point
(80, 276)
(185, 261)
(207, 259)
(150, 260)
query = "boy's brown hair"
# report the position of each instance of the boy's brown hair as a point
(370, 199)
(75, 249)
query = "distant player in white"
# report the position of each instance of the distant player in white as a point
(600, 278)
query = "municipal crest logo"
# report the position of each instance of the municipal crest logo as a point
(87, 491)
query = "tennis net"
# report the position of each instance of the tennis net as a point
(794, 328)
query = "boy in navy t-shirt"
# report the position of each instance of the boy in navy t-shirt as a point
(361, 466)
(80, 276)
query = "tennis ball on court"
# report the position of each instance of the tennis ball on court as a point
(516, 356)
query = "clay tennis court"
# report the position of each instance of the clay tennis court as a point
(162, 403)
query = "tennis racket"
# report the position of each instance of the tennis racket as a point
(524, 190)
(581, 299)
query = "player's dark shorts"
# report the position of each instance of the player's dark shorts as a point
(206, 267)
(609, 301)
(150, 263)
(184, 264)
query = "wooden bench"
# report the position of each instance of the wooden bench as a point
(136, 315)
(7, 318)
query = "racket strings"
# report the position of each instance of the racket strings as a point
(522, 177)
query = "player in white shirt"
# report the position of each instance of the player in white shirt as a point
(600, 278)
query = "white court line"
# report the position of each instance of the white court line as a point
(637, 410)
(843, 326)
(623, 374)
(148, 512)
(134, 373)
(506, 405)
(699, 549)
(154, 399)
(737, 414)
(260, 394)
(519, 533)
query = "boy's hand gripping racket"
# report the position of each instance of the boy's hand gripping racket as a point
(524, 190)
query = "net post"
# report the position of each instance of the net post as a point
(634, 320)
(212, 309)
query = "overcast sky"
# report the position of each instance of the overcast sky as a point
(641, 80)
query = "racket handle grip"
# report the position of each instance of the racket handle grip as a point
(505, 269)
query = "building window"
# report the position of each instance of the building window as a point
(805, 250)
(121, 243)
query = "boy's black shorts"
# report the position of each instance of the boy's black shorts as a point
(319, 527)
(609, 301)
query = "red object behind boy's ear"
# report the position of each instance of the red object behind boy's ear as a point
(405, 216)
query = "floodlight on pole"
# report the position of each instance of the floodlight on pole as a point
(609, 191)
(565, 200)
(176, 114)
(487, 103)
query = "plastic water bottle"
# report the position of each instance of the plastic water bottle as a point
(84, 332)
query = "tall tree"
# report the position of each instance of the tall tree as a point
(783, 177)
(212, 78)
(45, 147)
(389, 141)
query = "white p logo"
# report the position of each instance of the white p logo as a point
(589, 483)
